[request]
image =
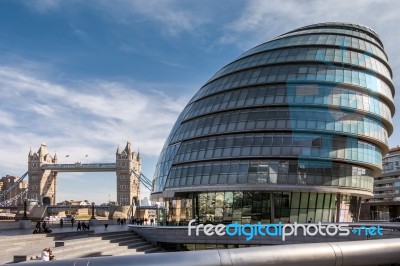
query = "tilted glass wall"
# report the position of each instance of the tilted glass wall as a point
(308, 114)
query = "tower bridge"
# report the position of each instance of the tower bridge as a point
(44, 169)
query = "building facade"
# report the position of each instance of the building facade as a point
(385, 205)
(128, 163)
(294, 128)
(42, 183)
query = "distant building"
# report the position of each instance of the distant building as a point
(8, 181)
(386, 201)
(145, 202)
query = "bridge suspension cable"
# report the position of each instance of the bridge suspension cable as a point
(3, 193)
(143, 180)
(20, 195)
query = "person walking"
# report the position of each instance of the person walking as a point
(79, 227)
(44, 225)
(61, 223)
(72, 221)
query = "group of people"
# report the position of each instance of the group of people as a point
(47, 255)
(82, 226)
(142, 221)
(121, 221)
(41, 228)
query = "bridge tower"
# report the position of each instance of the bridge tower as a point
(128, 162)
(42, 183)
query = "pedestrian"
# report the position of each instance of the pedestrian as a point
(83, 226)
(37, 228)
(61, 223)
(152, 221)
(72, 221)
(79, 227)
(145, 220)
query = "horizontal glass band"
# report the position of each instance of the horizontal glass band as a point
(286, 119)
(354, 33)
(324, 55)
(320, 39)
(283, 172)
(296, 75)
(302, 94)
(300, 145)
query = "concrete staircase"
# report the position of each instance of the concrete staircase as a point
(22, 244)
(103, 244)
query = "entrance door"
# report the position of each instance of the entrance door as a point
(46, 201)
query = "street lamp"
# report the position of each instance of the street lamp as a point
(25, 205)
(93, 217)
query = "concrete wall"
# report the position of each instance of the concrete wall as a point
(7, 225)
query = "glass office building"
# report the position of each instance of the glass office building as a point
(294, 128)
(385, 205)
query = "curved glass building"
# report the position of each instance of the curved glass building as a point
(294, 128)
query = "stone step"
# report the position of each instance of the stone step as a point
(112, 236)
(124, 238)
(123, 252)
(153, 250)
(97, 251)
(32, 237)
(112, 233)
(80, 240)
(77, 248)
(140, 246)
(131, 242)
(62, 235)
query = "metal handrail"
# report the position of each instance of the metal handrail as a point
(371, 252)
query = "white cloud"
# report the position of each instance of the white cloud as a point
(89, 117)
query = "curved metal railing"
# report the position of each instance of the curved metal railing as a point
(371, 252)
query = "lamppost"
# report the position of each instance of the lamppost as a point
(25, 205)
(93, 217)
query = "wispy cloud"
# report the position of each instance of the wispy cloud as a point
(87, 117)
(44, 6)
(171, 17)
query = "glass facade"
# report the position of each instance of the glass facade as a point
(294, 128)
(254, 206)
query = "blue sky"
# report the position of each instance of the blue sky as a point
(85, 76)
